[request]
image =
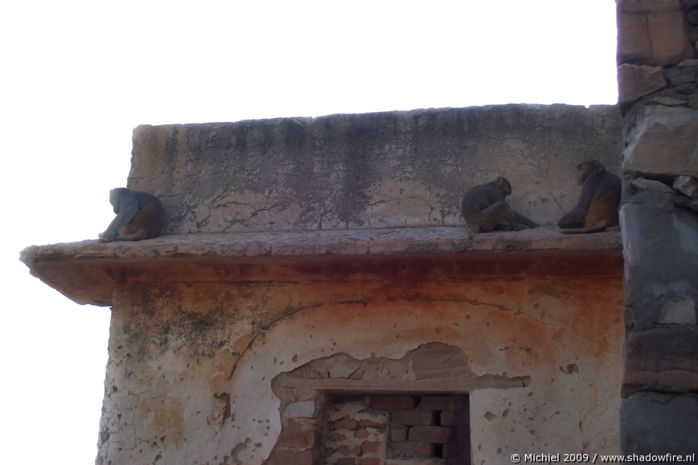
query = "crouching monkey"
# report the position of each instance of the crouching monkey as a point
(138, 216)
(597, 207)
(484, 209)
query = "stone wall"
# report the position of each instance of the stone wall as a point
(232, 368)
(396, 169)
(659, 219)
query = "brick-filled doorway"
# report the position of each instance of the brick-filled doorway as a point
(368, 429)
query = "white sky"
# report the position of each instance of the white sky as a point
(78, 76)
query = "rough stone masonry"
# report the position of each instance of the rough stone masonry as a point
(658, 73)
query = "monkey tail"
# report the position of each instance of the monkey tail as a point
(600, 226)
(582, 230)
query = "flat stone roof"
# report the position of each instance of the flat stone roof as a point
(89, 271)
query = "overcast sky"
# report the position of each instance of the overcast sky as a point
(78, 76)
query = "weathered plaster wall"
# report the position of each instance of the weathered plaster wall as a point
(369, 171)
(658, 73)
(190, 371)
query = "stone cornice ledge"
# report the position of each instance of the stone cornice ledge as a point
(340, 242)
(88, 271)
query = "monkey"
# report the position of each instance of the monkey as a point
(597, 207)
(484, 208)
(138, 216)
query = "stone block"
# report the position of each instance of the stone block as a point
(664, 141)
(680, 75)
(393, 402)
(688, 63)
(431, 434)
(633, 39)
(662, 359)
(636, 81)
(304, 409)
(648, 6)
(411, 417)
(341, 366)
(660, 248)
(665, 100)
(687, 185)
(689, 4)
(439, 361)
(692, 17)
(642, 183)
(409, 450)
(682, 312)
(659, 423)
(652, 33)
(669, 37)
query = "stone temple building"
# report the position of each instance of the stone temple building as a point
(316, 298)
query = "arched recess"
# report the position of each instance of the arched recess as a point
(380, 340)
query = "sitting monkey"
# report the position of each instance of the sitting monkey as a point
(484, 209)
(138, 216)
(597, 207)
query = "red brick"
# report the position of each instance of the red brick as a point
(345, 423)
(371, 461)
(347, 451)
(361, 434)
(455, 418)
(398, 433)
(372, 424)
(369, 447)
(298, 433)
(411, 417)
(431, 434)
(336, 436)
(297, 439)
(462, 434)
(453, 450)
(393, 402)
(291, 457)
(451, 403)
(409, 449)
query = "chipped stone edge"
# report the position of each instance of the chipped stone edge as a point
(394, 241)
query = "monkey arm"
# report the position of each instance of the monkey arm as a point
(572, 219)
(128, 207)
(575, 217)
(520, 219)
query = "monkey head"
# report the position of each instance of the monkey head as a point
(115, 196)
(503, 185)
(586, 169)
